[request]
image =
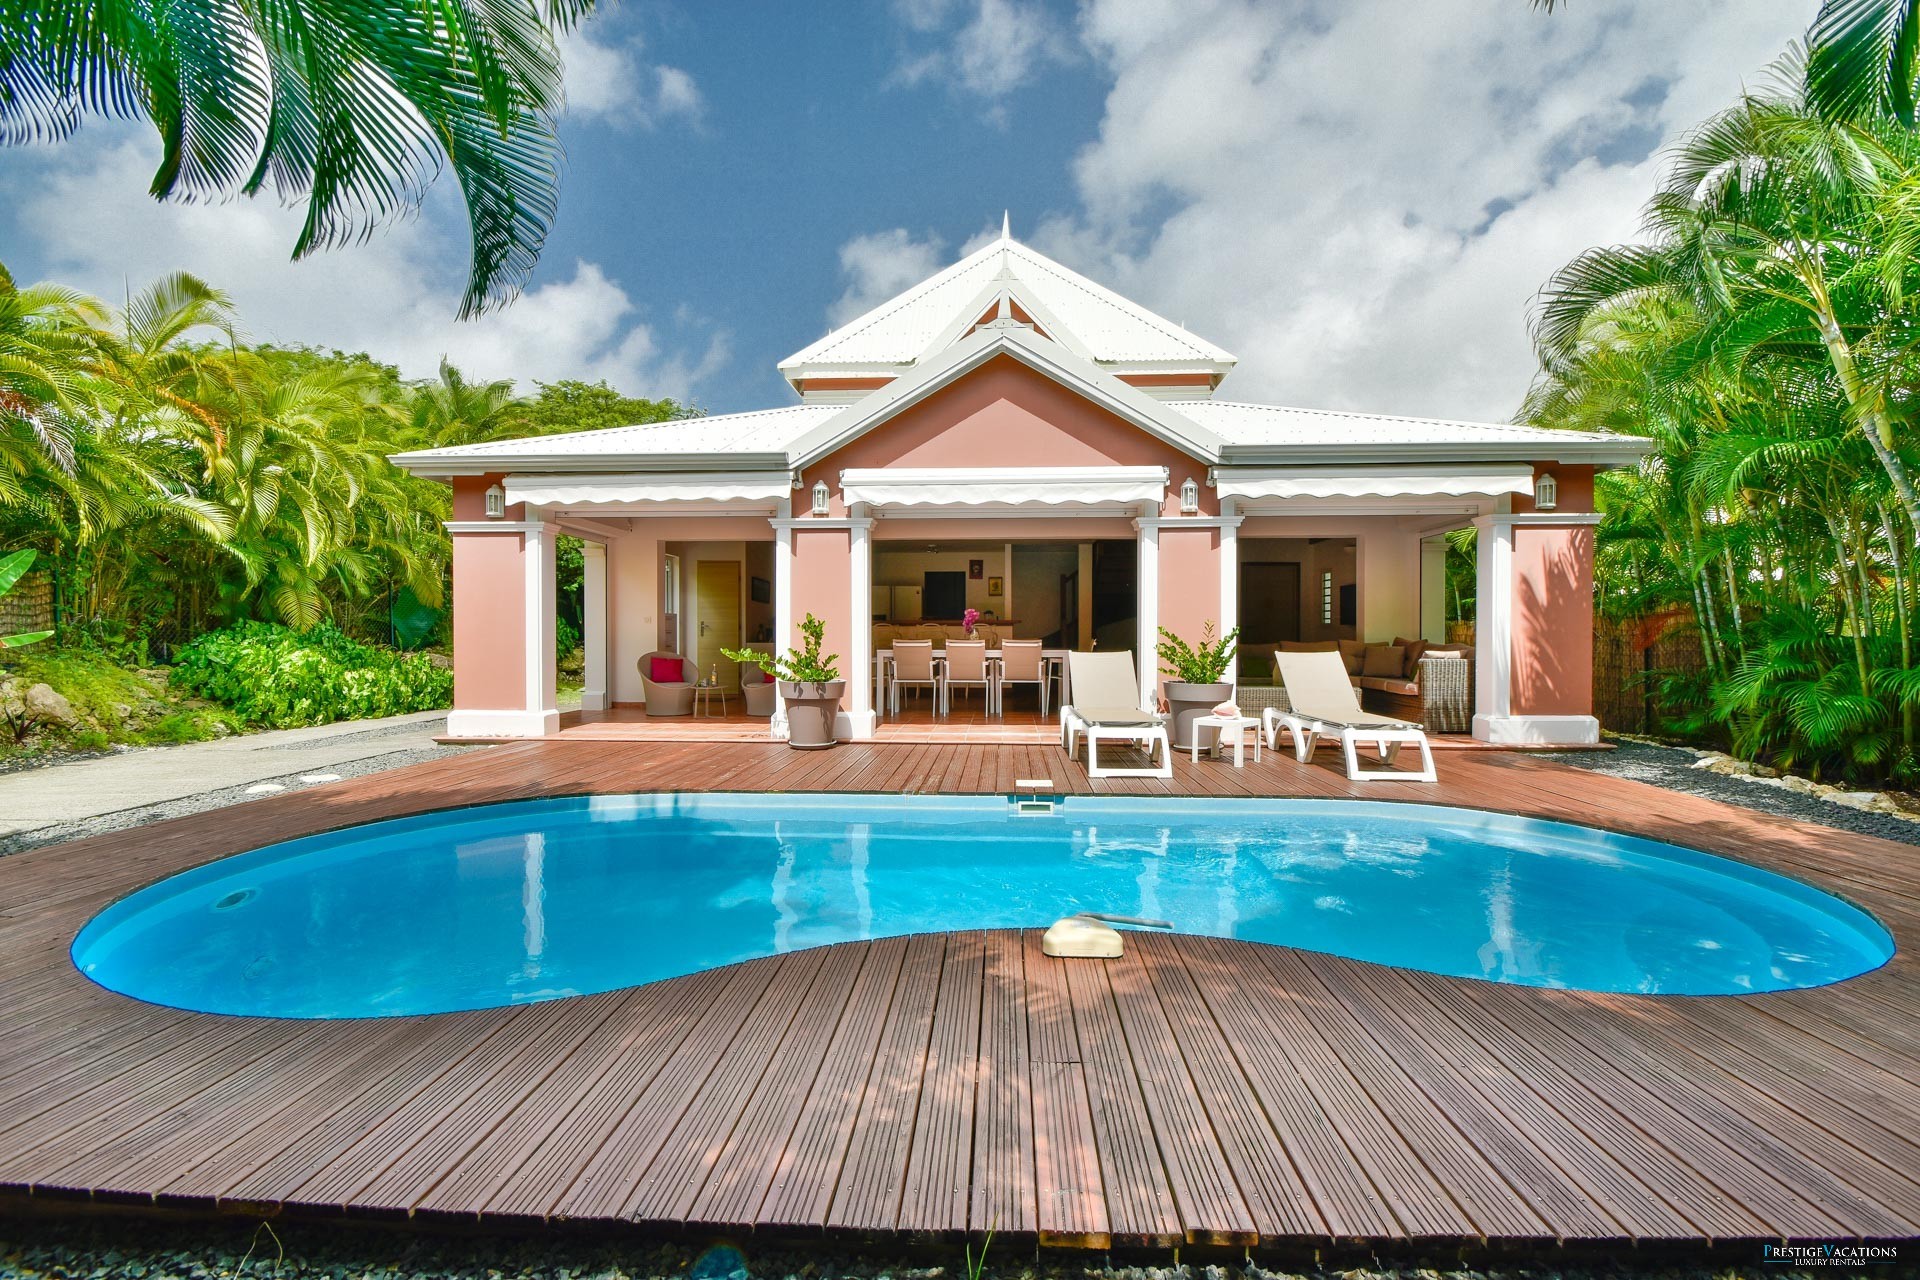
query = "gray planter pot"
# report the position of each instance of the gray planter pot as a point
(810, 713)
(1189, 702)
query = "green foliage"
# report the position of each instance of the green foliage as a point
(1763, 336)
(349, 106)
(566, 638)
(115, 702)
(583, 406)
(806, 665)
(1203, 663)
(274, 676)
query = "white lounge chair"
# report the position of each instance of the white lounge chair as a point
(1323, 704)
(1106, 708)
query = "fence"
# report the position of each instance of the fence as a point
(28, 607)
(1624, 698)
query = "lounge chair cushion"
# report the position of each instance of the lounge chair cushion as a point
(1114, 715)
(1388, 660)
(667, 671)
(1414, 650)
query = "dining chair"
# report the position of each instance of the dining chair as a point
(913, 667)
(1021, 663)
(967, 668)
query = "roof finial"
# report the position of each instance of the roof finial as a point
(1006, 225)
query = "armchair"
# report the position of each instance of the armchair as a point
(666, 697)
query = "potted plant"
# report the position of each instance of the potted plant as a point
(1197, 685)
(809, 684)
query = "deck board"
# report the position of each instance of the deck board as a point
(1196, 1090)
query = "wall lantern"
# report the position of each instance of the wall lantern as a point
(1546, 492)
(820, 497)
(496, 502)
(1190, 497)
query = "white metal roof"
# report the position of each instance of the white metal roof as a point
(1098, 322)
(1238, 422)
(752, 434)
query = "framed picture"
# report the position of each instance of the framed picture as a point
(759, 590)
(976, 569)
(995, 586)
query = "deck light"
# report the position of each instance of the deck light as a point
(1546, 492)
(496, 502)
(820, 497)
(1190, 497)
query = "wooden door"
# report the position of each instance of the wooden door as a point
(716, 587)
(1269, 601)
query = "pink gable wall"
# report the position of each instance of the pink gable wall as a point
(1003, 414)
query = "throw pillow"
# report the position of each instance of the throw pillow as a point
(1388, 660)
(1415, 649)
(667, 670)
(1353, 654)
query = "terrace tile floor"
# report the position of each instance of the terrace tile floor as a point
(1195, 1091)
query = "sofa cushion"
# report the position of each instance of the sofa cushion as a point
(1353, 654)
(1308, 646)
(1385, 660)
(667, 671)
(1414, 649)
(1387, 684)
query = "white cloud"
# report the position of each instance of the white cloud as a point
(880, 265)
(614, 83)
(998, 47)
(1360, 199)
(394, 296)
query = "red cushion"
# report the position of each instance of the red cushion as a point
(667, 671)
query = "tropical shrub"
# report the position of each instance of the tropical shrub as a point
(806, 665)
(1203, 663)
(273, 676)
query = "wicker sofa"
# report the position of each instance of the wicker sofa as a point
(1438, 695)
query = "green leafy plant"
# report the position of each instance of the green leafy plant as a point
(274, 676)
(977, 1265)
(1204, 663)
(797, 666)
(13, 567)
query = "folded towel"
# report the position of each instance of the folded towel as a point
(1227, 710)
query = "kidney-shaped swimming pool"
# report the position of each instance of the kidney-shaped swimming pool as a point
(532, 900)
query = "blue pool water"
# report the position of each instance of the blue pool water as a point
(501, 904)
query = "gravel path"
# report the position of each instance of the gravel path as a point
(122, 819)
(67, 1249)
(1672, 768)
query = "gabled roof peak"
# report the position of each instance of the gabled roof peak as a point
(1094, 322)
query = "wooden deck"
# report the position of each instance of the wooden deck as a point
(1198, 1090)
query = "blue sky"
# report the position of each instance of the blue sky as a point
(1358, 197)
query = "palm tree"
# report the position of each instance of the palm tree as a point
(453, 411)
(1766, 227)
(1861, 58)
(349, 105)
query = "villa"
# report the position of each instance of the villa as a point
(1010, 437)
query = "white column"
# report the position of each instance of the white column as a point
(859, 713)
(782, 603)
(593, 625)
(1230, 578)
(1147, 609)
(1493, 628)
(543, 712)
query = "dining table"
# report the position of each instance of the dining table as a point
(1052, 661)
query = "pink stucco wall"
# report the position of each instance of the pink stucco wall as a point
(1552, 620)
(822, 587)
(1003, 414)
(489, 636)
(1189, 584)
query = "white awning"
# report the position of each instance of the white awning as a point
(719, 486)
(1003, 486)
(1374, 482)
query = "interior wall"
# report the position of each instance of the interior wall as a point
(1338, 556)
(897, 566)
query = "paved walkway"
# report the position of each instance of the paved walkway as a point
(69, 793)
